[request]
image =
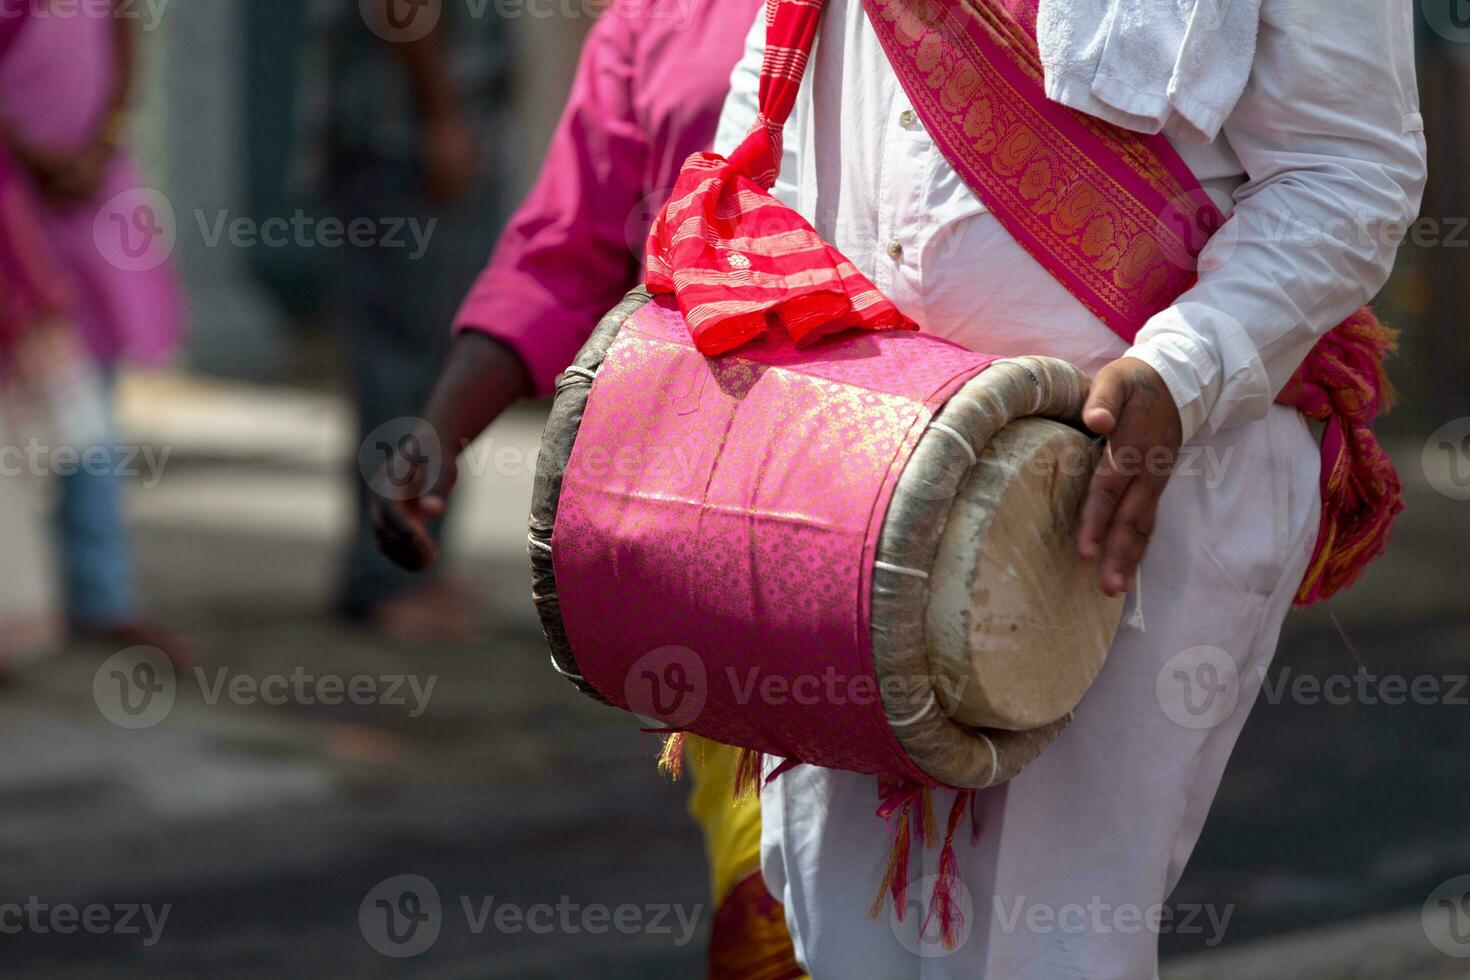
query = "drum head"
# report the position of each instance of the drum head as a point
(1017, 625)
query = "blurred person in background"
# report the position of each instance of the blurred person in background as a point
(647, 94)
(66, 79)
(33, 294)
(408, 132)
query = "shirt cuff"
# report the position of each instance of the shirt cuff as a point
(1188, 368)
(545, 347)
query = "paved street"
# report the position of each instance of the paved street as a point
(264, 828)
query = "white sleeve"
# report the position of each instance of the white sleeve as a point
(1332, 142)
(738, 114)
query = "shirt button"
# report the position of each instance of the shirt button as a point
(908, 118)
(895, 250)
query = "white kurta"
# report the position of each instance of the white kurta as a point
(1324, 148)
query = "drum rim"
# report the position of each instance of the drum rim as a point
(573, 388)
(947, 751)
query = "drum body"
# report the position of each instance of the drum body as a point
(857, 555)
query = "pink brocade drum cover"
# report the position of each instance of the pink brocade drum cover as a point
(857, 555)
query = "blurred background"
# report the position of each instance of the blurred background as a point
(247, 816)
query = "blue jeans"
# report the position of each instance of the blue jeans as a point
(98, 584)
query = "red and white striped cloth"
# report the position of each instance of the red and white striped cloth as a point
(739, 261)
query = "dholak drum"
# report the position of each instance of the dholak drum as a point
(859, 555)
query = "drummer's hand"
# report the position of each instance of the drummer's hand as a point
(1129, 405)
(409, 491)
(481, 377)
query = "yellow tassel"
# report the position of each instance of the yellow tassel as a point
(1387, 339)
(898, 866)
(1327, 535)
(747, 774)
(671, 759)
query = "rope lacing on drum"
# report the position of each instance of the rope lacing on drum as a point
(929, 703)
(994, 758)
(957, 437)
(901, 569)
(566, 673)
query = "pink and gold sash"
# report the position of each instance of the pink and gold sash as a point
(1117, 217)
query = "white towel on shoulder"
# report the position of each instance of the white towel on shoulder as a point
(1171, 66)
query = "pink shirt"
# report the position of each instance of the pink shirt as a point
(56, 80)
(648, 92)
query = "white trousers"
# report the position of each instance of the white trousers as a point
(1076, 854)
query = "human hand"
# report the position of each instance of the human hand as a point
(66, 178)
(409, 490)
(1130, 406)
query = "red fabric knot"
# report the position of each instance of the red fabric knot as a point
(1342, 383)
(759, 155)
(739, 261)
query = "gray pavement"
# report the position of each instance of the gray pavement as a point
(265, 829)
(1385, 946)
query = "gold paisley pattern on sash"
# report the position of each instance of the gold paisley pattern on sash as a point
(1015, 149)
(1077, 203)
(960, 88)
(1139, 266)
